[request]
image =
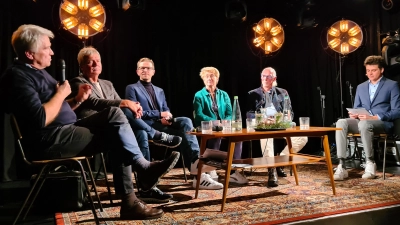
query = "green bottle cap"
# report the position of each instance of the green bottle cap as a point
(235, 97)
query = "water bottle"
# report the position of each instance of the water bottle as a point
(287, 114)
(236, 115)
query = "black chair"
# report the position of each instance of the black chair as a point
(391, 139)
(46, 167)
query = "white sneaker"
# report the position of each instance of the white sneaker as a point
(206, 168)
(238, 178)
(370, 171)
(213, 174)
(340, 173)
(206, 182)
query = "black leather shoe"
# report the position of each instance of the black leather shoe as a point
(280, 172)
(150, 177)
(272, 178)
(154, 195)
(140, 211)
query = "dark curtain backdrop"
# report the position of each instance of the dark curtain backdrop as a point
(184, 36)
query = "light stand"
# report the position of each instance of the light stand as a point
(322, 99)
(341, 59)
(351, 95)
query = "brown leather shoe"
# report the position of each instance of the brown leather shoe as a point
(150, 178)
(140, 211)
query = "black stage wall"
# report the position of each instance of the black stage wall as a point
(184, 36)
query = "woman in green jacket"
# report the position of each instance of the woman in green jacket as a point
(211, 103)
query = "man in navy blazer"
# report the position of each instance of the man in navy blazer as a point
(381, 98)
(157, 114)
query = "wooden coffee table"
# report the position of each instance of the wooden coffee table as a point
(288, 160)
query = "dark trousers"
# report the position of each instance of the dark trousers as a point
(279, 145)
(216, 144)
(107, 130)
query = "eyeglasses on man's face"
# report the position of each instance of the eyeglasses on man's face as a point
(267, 76)
(145, 67)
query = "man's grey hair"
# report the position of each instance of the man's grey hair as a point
(28, 38)
(86, 52)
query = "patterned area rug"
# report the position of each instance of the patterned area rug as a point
(255, 203)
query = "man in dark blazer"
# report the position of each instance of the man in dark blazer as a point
(381, 98)
(271, 97)
(157, 114)
(103, 96)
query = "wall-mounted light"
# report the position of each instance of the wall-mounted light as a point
(268, 35)
(83, 18)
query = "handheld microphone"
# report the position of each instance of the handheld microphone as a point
(61, 69)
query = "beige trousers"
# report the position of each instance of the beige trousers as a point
(267, 146)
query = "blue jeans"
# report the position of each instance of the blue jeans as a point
(142, 130)
(189, 146)
(107, 130)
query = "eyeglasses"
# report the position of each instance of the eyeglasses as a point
(267, 76)
(144, 68)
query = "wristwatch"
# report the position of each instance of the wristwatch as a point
(77, 103)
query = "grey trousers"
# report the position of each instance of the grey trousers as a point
(366, 129)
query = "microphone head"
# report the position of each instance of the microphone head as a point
(61, 64)
(318, 88)
(348, 83)
(61, 71)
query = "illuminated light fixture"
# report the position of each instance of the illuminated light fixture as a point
(96, 10)
(83, 4)
(344, 36)
(70, 22)
(268, 35)
(69, 8)
(95, 24)
(83, 18)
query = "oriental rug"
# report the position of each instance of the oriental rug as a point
(255, 203)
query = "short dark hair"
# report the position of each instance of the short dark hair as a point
(375, 60)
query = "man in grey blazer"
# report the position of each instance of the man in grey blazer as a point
(103, 96)
(381, 98)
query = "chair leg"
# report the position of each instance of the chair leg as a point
(29, 195)
(105, 173)
(96, 218)
(94, 184)
(384, 159)
(183, 167)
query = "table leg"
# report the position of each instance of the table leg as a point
(290, 147)
(231, 149)
(200, 165)
(329, 162)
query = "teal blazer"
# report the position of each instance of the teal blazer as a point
(202, 105)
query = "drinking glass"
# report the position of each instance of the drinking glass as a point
(206, 127)
(304, 123)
